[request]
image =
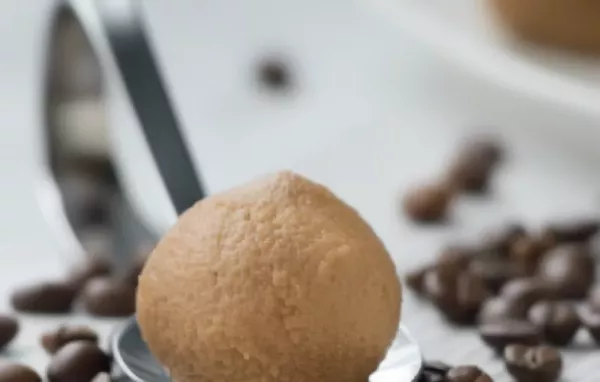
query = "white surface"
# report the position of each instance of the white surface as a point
(466, 33)
(413, 113)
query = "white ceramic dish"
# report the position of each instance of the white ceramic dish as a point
(465, 34)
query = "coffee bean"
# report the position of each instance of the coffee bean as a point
(498, 334)
(78, 361)
(92, 266)
(14, 372)
(557, 320)
(502, 308)
(45, 297)
(590, 318)
(467, 374)
(429, 203)
(594, 296)
(573, 231)
(527, 291)
(9, 327)
(434, 372)
(495, 271)
(525, 252)
(105, 297)
(414, 279)
(569, 271)
(54, 340)
(456, 257)
(459, 296)
(536, 363)
(501, 239)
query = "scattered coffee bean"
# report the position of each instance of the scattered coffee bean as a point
(500, 240)
(46, 297)
(9, 327)
(494, 271)
(569, 271)
(428, 203)
(499, 334)
(14, 372)
(590, 318)
(105, 297)
(526, 253)
(93, 266)
(414, 279)
(78, 361)
(527, 291)
(502, 308)
(557, 320)
(455, 257)
(573, 231)
(594, 296)
(459, 296)
(529, 364)
(472, 169)
(434, 372)
(467, 374)
(54, 340)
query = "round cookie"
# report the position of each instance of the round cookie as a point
(568, 24)
(276, 280)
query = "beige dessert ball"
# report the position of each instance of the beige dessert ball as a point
(276, 280)
(568, 24)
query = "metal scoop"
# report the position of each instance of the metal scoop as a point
(120, 22)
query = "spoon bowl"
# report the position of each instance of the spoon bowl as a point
(402, 363)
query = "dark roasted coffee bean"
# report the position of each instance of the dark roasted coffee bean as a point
(9, 327)
(526, 252)
(92, 266)
(527, 291)
(501, 239)
(14, 372)
(594, 296)
(533, 364)
(557, 320)
(414, 279)
(46, 297)
(467, 374)
(569, 271)
(429, 203)
(459, 296)
(105, 297)
(54, 340)
(434, 371)
(572, 232)
(498, 334)
(590, 318)
(502, 308)
(455, 257)
(494, 271)
(78, 361)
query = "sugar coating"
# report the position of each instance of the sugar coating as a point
(276, 280)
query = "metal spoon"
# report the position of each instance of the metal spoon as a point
(402, 363)
(123, 27)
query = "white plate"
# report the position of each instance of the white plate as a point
(465, 33)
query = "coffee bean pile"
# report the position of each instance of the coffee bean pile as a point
(470, 172)
(440, 372)
(76, 355)
(91, 285)
(527, 291)
(74, 350)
